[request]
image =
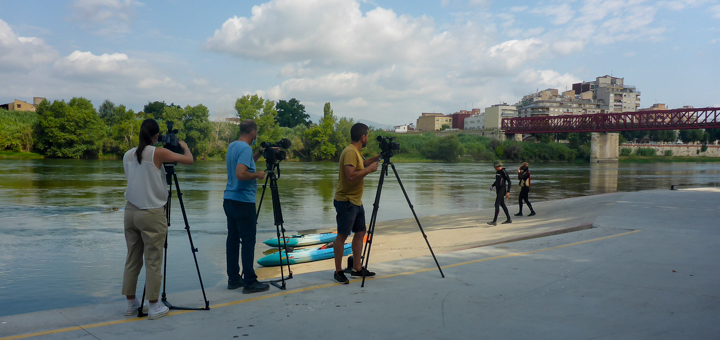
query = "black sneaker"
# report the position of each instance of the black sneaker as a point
(235, 284)
(256, 287)
(532, 213)
(507, 221)
(340, 278)
(492, 223)
(518, 214)
(360, 273)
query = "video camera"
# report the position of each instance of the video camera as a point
(387, 146)
(170, 140)
(273, 152)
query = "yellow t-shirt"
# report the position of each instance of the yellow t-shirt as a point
(350, 191)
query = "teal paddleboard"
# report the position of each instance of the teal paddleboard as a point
(301, 256)
(301, 240)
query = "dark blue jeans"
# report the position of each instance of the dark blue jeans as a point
(242, 227)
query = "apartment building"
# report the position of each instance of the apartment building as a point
(496, 113)
(433, 121)
(550, 102)
(611, 93)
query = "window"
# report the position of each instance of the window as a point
(17, 106)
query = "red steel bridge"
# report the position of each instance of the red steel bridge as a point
(678, 119)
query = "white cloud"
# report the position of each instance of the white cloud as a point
(566, 47)
(563, 13)
(22, 53)
(109, 17)
(630, 54)
(548, 78)
(332, 32)
(715, 10)
(518, 8)
(516, 52)
(109, 68)
(678, 5)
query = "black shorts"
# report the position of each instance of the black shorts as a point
(350, 217)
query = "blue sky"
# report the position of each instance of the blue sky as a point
(385, 61)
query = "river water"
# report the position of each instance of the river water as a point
(61, 221)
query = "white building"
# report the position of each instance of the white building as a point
(401, 129)
(475, 122)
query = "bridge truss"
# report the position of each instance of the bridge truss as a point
(678, 119)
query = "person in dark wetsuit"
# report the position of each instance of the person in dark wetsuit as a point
(524, 178)
(502, 185)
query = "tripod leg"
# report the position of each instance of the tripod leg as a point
(280, 230)
(262, 196)
(416, 218)
(167, 218)
(192, 246)
(373, 222)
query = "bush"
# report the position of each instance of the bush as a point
(668, 153)
(625, 151)
(645, 152)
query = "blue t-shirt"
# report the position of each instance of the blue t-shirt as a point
(243, 191)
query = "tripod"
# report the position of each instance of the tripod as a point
(170, 174)
(278, 217)
(376, 206)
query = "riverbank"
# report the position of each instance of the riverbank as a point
(20, 155)
(668, 159)
(644, 269)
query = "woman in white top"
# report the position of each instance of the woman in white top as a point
(145, 222)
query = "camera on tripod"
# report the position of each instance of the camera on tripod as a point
(273, 152)
(387, 145)
(170, 140)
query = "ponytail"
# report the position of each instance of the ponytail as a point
(148, 129)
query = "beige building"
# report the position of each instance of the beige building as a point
(550, 103)
(611, 93)
(433, 121)
(496, 113)
(19, 105)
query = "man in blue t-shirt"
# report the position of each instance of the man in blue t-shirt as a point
(239, 206)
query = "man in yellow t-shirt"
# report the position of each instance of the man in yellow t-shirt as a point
(348, 201)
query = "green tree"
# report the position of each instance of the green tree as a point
(444, 127)
(106, 111)
(122, 130)
(319, 136)
(71, 130)
(263, 113)
(689, 136)
(17, 130)
(291, 113)
(196, 124)
(156, 109)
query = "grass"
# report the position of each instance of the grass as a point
(19, 155)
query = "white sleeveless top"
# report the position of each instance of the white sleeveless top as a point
(146, 184)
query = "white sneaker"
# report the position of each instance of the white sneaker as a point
(157, 310)
(133, 307)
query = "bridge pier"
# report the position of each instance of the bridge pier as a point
(604, 147)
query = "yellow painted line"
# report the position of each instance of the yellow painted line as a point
(300, 290)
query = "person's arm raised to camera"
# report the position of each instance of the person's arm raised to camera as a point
(371, 160)
(352, 174)
(242, 173)
(163, 155)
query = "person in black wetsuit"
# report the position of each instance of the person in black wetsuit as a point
(502, 185)
(524, 178)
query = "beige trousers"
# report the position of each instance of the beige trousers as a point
(145, 232)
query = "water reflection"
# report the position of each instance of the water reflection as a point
(603, 177)
(61, 220)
